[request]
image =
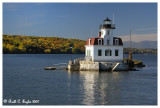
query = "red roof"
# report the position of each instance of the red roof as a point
(94, 41)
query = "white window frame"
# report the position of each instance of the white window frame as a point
(89, 41)
(109, 52)
(99, 42)
(116, 41)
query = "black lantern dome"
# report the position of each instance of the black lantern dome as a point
(107, 24)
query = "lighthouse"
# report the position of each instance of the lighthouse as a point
(104, 52)
(105, 47)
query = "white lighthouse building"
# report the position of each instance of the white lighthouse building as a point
(105, 47)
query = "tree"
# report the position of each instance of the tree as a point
(68, 50)
(22, 48)
(39, 45)
(5, 49)
(76, 51)
(47, 51)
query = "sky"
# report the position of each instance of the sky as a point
(79, 20)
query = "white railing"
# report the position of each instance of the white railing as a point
(107, 26)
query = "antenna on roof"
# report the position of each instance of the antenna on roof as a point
(130, 53)
(130, 39)
(113, 18)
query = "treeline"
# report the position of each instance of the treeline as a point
(14, 44)
(140, 51)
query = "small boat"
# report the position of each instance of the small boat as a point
(49, 68)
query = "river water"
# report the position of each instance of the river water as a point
(25, 82)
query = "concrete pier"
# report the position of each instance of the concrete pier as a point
(89, 65)
(83, 65)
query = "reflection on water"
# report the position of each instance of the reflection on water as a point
(89, 85)
(100, 87)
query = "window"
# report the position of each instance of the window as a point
(108, 52)
(107, 42)
(88, 53)
(101, 33)
(116, 41)
(108, 32)
(116, 52)
(99, 41)
(99, 52)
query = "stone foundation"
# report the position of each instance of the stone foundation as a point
(88, 65)
(96, 66)
(107, 65)
(74, 66)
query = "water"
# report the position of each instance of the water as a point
(24, 77)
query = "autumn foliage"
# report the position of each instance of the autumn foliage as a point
(15, 44)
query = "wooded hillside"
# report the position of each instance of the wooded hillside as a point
(14, 44)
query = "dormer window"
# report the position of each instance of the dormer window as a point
(99, 41)
(116, 41)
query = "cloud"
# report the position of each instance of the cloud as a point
(139, 37)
